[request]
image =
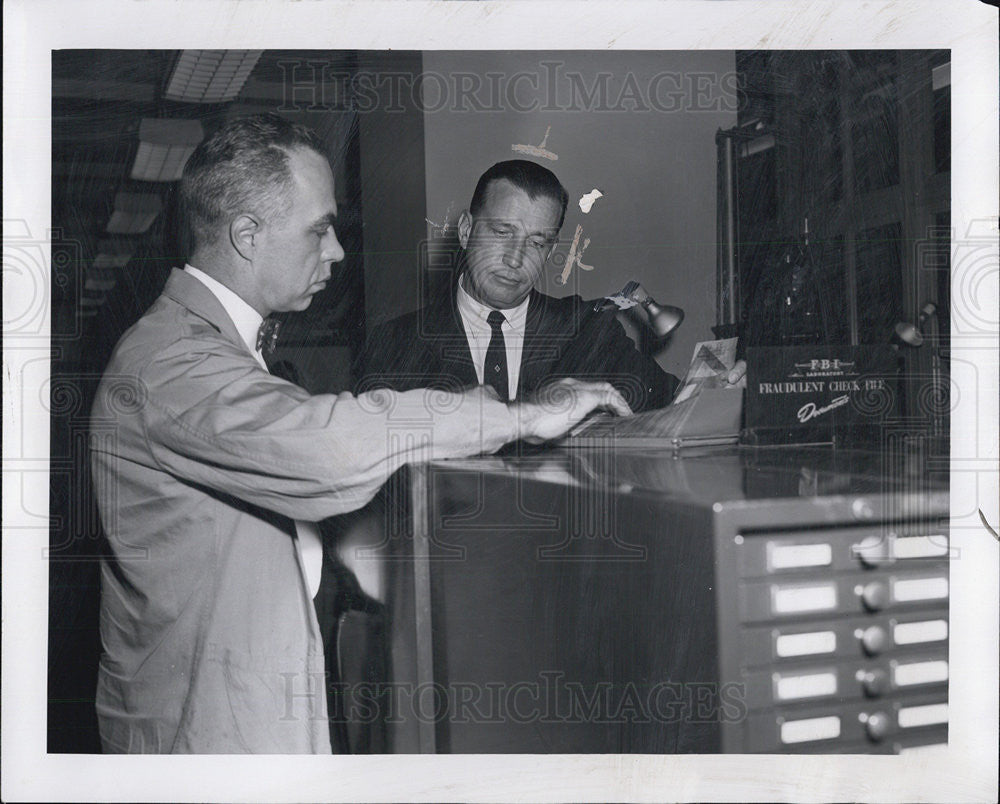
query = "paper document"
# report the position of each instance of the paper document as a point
(706, 407)
(711, 362)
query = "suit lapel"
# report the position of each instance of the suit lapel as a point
(447, 340)
(544, 337)
(192, 293)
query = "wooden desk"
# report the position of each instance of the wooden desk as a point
(606, 601)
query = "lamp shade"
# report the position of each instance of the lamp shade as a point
(662, 319)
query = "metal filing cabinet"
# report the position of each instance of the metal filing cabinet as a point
(805, 592)
(835, 620)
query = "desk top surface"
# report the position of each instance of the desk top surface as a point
(733, 473)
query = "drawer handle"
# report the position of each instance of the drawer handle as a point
(874, 639)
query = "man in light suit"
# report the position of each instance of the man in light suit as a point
(210, 472)
(494, 327)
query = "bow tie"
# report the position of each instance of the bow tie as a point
(267, 335)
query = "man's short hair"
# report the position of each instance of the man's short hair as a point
(531, 178)
(242, 167)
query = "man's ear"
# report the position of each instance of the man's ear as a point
(464, 228)
(242, 231)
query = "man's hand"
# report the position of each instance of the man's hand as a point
(559, 406)
(737, 375)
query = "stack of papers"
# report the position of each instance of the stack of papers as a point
(706, 410)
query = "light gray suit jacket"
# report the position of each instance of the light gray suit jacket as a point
(201, 459)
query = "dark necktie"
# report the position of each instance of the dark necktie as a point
(495, 367)
(267, 335)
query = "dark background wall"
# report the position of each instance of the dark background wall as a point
(393, 185)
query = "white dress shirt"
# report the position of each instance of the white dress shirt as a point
(479, 332)
(247, 322)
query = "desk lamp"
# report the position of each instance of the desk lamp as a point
(662, 319)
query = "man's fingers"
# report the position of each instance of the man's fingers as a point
(616, 403)
(737, 372)
(593, 395)
(564, 405)
(605, 395)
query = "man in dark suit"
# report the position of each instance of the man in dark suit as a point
(494, 328)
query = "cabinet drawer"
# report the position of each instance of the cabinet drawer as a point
(826, 595)
(852, 637)
(827, 727)
(840, 549)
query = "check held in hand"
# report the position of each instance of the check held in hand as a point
(737, 376)
(559, 406)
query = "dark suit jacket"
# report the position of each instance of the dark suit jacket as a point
(563, 338)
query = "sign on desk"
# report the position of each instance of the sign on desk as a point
(812, 393)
